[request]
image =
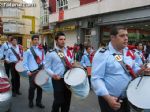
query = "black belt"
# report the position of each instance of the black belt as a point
(13, 62)
(34, 71)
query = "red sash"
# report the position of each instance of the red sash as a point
(38, 60)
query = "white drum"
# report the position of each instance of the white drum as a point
(78, 81)
(20, 69)
(43, 80)
(139, 96)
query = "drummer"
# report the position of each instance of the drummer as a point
(86, 60)
(14, 54)
(4, 49)
(109, 79)
(57, 63)
(33, 62)
(139, 54)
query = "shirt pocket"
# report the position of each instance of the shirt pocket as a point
(112, 65)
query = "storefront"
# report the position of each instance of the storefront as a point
(136, 20)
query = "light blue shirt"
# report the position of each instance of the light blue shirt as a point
(10, 56)
(85, 61)
(53, 63)
(1, 53)
(148, 58)
(5, 47)
(28, 59)
(108, 77)
(138, 57)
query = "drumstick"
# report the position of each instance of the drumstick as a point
(139, 81)
(119, 98)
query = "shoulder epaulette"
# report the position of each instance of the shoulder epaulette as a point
(102, 50)
(51, 50)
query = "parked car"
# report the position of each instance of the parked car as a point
(5, 90)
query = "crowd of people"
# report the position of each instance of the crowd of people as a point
(110, 68)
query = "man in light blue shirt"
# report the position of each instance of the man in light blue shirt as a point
(12, 57)
(139, 56)
(33, 62)
(85, 60)
(57, 62)
(109, 79)
(4, 49)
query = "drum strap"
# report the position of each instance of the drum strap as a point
(127, 68)
(64, 60)
(35, 57)
(88, 56)
(16, 54)
(61, 57)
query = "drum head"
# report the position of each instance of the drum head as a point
(139, 96)
(19, 67)
(75, 76)
(41, 77)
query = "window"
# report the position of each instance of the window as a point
(62, 4)
(88, 36)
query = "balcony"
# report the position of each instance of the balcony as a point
(10, 13)
(44, 20)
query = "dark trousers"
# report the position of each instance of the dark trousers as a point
(15, 78)
(89, 78)
(32, 87)
(106, 108)
(62, 96)
(7, 68)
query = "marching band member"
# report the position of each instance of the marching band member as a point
(58, 61)
(86, 61)
(33, 62)
(139, 55)
(4, 49)
(1, 53)
(112, 69)
(14, 54)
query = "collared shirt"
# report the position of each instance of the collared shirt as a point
(10, 56)
(85, 60)
(5, 47)
(28, 59)
(108, 77)
(138, 57)
(1, 53)
(53, 63)
(85, 52)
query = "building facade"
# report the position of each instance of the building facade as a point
(20, 21)
(92, 19)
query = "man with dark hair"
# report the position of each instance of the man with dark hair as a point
(4, 49)
(14, 54)
(57, 63)
(109, 78)
(33, 62)
(86, 61)
(139, 54)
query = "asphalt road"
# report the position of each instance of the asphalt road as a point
(20, 103)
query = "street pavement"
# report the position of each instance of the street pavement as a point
(20, 103)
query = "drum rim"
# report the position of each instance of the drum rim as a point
(72, 68)
(36, 75)
(16, 65)
(129, 85)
